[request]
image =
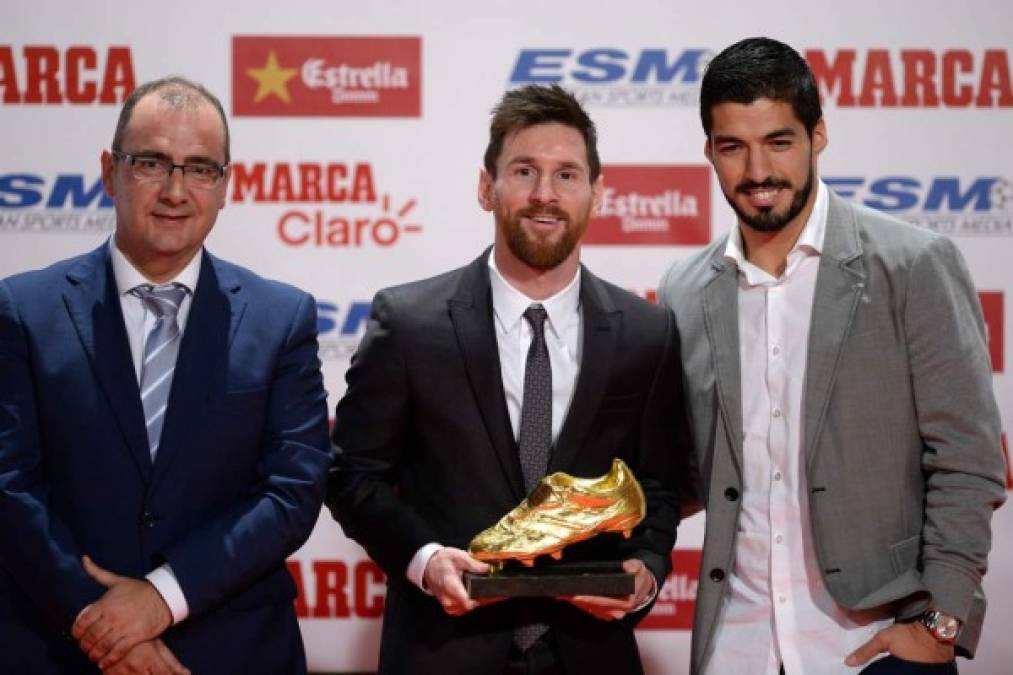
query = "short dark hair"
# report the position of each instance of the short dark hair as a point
(535, 104)
(760, 68)
(177, 92)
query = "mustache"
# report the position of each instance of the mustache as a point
(540, 212)
(768, 184)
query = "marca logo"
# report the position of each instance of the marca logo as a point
(332, 205)
(67, 202)
(673, 609)
(607, 76)
(993, 311)
(949, 204)
(913, 78)
(340, 327)
(78, 75)
(338, 589)
(653, 205)
(326, 76)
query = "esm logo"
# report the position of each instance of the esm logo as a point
(951, 205)
(611, 76)
(67, 202)
(340, 327)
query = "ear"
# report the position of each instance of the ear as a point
(486, 190)
(108, 167)
(226, 179)
(708, 150)
(597, 194)
(820, 137)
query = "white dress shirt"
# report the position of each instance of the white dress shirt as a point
(777, 608)
(563, 331)
(138, 322)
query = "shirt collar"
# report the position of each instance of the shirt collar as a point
(509, 304)
(810, 239)
(129, 277)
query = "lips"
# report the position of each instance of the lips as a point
(170, 217)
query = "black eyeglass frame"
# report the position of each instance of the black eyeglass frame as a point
(132, 158)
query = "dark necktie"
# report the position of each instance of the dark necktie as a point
(160, 349)
(535, 439)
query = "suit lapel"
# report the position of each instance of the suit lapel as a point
(721, 320)
(471, 315)
(93, 302)
(839, 286)
(602, 323)
(202, 362)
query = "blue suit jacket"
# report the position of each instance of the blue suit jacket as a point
(235, 487)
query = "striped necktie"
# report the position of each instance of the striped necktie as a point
(160, 349)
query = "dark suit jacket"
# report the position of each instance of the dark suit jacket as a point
(235, 487)
(426, 454)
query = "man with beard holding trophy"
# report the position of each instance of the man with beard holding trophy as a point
(469, 387)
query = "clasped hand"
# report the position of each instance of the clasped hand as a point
(119, 630)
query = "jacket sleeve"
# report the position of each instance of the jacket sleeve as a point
(370, 438)
(255, 536)
(960, 429)
(663, 456)
(37, 550)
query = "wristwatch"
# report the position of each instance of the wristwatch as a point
(944, 628)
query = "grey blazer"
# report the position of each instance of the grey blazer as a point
(901, 430)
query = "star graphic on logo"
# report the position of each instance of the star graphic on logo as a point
(271, 79)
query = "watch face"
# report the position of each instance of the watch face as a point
(947, 627)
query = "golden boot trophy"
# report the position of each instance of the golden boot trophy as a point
(560, 511)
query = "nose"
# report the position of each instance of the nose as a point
(543, 191)
(758, 167)
(173, 190)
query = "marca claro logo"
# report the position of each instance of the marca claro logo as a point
(673, 609)
(992, 308)
(615, 76)
(326, 204)
(952, 205)
(340, 326)
(913, 78)
(332, 76)
(55, 75)
(54, 203)
(653, 205)
(338, 589)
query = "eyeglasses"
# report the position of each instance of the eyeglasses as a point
(151, 169)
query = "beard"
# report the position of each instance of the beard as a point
(538, 251)
(767, 219)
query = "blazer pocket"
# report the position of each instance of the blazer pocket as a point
(904, 553)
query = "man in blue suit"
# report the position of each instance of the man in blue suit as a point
(163, 428)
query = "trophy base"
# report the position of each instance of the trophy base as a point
(569, 578)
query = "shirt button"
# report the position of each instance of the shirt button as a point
(731, 494)
(775, 351)
(149, 519)
(778, 539)
(777, 413)
(717, 574)
(777, 475)
(782, 599)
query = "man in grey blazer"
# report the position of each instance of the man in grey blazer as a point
(837, 377)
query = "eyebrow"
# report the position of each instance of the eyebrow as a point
(777, 133)
(527, 159)
(189, 159)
